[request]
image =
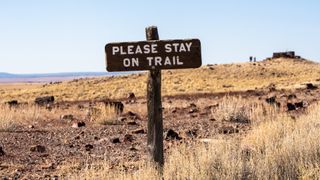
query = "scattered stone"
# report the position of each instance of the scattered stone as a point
(88, 147)
(12, 103)
(115, 140)
(193, 110)
(133, 148)
(79, 124)
(227, 86)
(311, 86)
(291, 107)
(128, 138)
(42, 101)
(132, 123)
(301, 104)
(131, 97)
(292, 96)
(172, 135)
(193, 105)
(271, 87)
(174, 110)
(38, 148)
(129, 113)
(138, 131)
(192, 133)
(121, 118)
(2, 152)
(271, 100)
(68, 117)
(228, 130)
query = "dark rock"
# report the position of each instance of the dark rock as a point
(42, 101)
(272, 87)
(192, 133)
(67, 117)
(271, 100)
(132, 123)
(31, 126)
(228, 130)
(115, 140)
(227, 86)
(193, 105)
(138, 131)
(122, 118)
(38, 148)
(311, 86)
(12, 103)
(88, 147)
(2, 153)
(172, 135)
(129, 113)
(128, 138)
(301, 104)
(291, 107)
(79, 124)
(193, 110)
(131, 95)
(292, 96)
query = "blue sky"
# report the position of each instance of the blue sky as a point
(38, 36)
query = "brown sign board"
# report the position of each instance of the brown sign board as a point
(149, 55)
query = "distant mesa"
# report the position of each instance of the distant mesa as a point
(287, 54)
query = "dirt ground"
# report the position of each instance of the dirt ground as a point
(40, 151)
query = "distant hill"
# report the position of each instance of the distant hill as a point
(48, 77)
(282, 73)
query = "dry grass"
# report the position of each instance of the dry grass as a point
(279, 148)
(285, 73)
(237, 109)
(104, 114)
(10, 118)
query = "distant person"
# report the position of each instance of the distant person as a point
(254, 59)
(250, 58)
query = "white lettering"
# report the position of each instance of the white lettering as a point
(182, 48)
(175, 45)
(121, 51)
(115, 49)
(138, 50)
(168, 48)
(178, 61)
(146, 49)
(157, 61)
(189, 46)
(167, 61)
(154, 48)
(126, 62)
(150, 60)
(130, 47)
(135, 61)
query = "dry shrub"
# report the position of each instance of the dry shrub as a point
(10, 118)
(280, 148)
(104, 114)
(236, 109)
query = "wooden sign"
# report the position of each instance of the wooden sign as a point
(155, 54)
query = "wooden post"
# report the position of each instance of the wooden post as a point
(155, 122)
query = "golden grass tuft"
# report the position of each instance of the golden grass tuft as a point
(104, 114)
(278, 148)
(237, 109)
(10, 118)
